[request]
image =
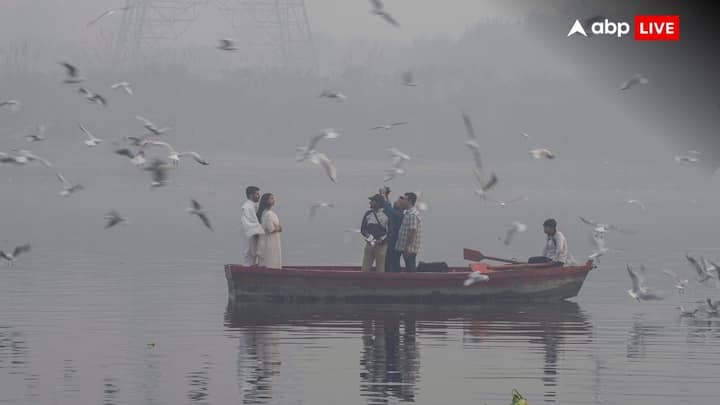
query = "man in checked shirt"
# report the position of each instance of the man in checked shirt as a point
(408, 242)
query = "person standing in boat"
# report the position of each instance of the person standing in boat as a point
(395, 216)
(269, 247)
(556, 248)
(408, 242)
(250, 225)
(374, 227)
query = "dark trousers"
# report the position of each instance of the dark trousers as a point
(409, 260)
(392, 259)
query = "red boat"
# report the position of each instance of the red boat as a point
(510, 282)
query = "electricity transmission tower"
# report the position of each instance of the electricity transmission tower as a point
(278, 30)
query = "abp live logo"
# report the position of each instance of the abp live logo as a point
(646, 27)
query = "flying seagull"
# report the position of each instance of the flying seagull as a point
(542, 153)
(38, 135)
(398, 162)
(379, 10)
(680, 284)
(700, 269)
(175, 156)
(147, 124)
(68, 188)
(687, 312)
(604, 228)
(108, 13)
(388, 127)
(333, 94)
(159, 172)
(475, 277)
(12, 257)
(328, 165)
(639, 290)
(92, 140)
(227, 44)
(73, 76)
(123, 86)
(598, 241)
(306, 152)
(113, 218)
(712, 307)
(13, 104)
(136, 158)
(25, 156)
(638, 203)
(408, 79)
(633, 81)
(484, 185)
(686, 159)
(472, 142)
(517, 227)
(93, 97)
(318, 204)
(197, 209)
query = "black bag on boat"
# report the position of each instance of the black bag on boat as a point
(433, 267)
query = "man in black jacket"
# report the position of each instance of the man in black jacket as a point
(374, 228)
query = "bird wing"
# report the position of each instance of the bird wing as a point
(85, 131)
(492, 182)
(4, 255)
(100, 17)
(377, 4)
(125, 152)
(71, 70)
(313, 210)
(21, 249)
(314, 140)
(196, 205)
(395, 124)
(387, 17)
(476, 158)
(469, 129)
(205, 220)
(329, 167)
(696, 265)
(146, 122)
(195, 156)
(588, 221)
(101, 99)
(634, 278)
(62, 179)
(165, 144)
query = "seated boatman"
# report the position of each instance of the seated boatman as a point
(556, 249)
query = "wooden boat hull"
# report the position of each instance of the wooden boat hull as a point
(524, 282)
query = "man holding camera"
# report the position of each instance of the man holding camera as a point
(374, 228)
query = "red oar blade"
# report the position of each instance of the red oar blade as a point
(473, 255)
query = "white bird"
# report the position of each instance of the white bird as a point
(25, 156)
(158, 171)
(175, 156)
(712, 307)
(379, 10)
(11, 257)
(408, 79)
(112, 218)
(68, 187)
(680, 284)
(316, 205)
(123, 86)
(687, 312)
(72, 72)
(598, 242)
(517, 227)
(147, 124)
(700, 269)
(639, 290)
(308, 152)
(92, 140)
(328, 165)
(475, 277)
(108, 13)
(38, 135)
(484, 185)
(397, 155)
(197, 209)
(508, 202)
(136, 158)
(227, 44)
(542, 153)
(472, 142)
(635, 80)
(388, 127)
(525, 135)
(638, 203)
(686, 159)
(399, 159)
(13, 104)
(93, 97)
(338, 96)
(604, 228)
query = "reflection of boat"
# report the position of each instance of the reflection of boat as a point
(515, 282)
(564, 313)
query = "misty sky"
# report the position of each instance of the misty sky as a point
(66, 19)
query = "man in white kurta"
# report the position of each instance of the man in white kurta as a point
(251, 225)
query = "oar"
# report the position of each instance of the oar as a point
(477, 256)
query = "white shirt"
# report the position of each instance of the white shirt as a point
(556, 248)
(250, 224)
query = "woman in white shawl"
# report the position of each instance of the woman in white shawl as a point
(269, 249)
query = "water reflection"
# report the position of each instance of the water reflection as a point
(198, 381)
(641, 334)
(389, 336)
